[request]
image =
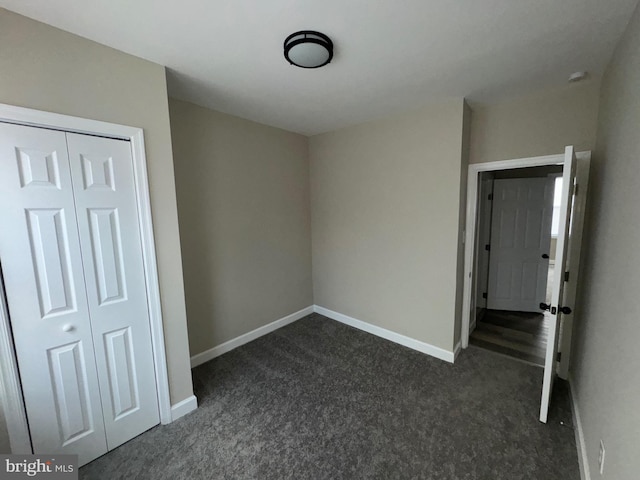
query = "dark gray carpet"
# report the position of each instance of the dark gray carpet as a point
(320, 400)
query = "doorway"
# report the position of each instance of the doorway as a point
(517, 229)
(519, 284)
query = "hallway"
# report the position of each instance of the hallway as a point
(522, 335)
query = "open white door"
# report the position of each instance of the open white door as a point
(572, 271)
(556, 309)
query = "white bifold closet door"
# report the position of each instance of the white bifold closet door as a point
(71, 259)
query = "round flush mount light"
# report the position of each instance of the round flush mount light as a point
(308, 49)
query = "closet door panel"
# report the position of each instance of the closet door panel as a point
(45, 288)
(103, 179)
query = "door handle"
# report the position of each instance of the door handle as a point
(564, 310)
(544, 306)
(545, 255)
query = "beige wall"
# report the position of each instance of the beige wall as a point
(47, 69)
(605, 368)
(243, 204)
(385, 199)
(542, 123)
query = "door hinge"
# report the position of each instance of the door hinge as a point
(490, 196)
(487, 247)
(558, 356)
(484, 295)
(566, 276)
(575, 189)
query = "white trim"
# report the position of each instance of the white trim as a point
(456, 350)
(581, 446)
(29, 117)
(10, 389)
(409, 342)
(66, 123)
(203, 357)
(151, 274)
(527, 162)
(180, 409)
(471, 214)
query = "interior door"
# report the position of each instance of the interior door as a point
(44, 285)
(102, 176)
(520, 242)
(556, 309)
(574, 250)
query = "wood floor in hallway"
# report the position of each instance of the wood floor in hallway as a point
(522, 335)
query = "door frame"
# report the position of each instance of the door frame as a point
(475, 170)
(10, 387)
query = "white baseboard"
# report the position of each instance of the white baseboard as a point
(456, 350)
(180, 409)
(583, 462)
(409, 342)
(225, 347)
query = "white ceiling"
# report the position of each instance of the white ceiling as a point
(389, 55)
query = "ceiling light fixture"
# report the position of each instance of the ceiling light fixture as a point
(308, 49)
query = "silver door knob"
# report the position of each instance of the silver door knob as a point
(67, 328)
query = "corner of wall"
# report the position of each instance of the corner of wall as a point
(464, 165)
